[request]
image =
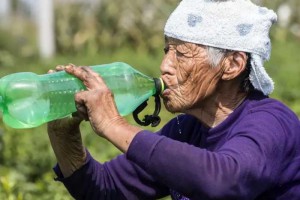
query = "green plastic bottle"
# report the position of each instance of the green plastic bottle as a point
(28, 100)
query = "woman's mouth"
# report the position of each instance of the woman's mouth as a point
(166, 92)
(168, 89)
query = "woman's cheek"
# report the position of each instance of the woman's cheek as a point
(175, 102)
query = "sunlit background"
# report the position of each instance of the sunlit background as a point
(37, 35)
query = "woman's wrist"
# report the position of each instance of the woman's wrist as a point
(66, 142)
(68, 164)
(121, 135)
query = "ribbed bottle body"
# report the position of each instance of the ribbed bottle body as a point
(29, 100)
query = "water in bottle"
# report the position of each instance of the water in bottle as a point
(28, 100)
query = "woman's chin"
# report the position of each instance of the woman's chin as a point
(171, 107)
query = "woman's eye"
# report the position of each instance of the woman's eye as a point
(179, 54)
(166, 50)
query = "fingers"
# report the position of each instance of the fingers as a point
(51, 71)
(90, 79)
(59, 68)
(82, 111)
(82, 100)
(80, 115)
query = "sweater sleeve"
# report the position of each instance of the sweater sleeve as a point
(245, 165)
(116, 179)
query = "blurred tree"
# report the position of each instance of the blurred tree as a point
(288, 17)
(137, 25)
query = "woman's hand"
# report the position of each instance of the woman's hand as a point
(65, 138)
(97, 105)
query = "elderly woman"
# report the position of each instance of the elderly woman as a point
(232, 142)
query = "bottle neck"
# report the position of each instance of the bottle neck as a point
(159, 86)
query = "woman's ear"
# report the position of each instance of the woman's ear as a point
(234, 64)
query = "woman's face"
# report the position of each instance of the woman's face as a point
(188, 76)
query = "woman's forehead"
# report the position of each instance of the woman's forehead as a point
(183, 44)
(170, 40)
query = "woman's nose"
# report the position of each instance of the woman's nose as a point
(167, 64)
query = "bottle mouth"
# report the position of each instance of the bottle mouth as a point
(159, 85)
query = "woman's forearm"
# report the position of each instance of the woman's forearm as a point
(66, 142)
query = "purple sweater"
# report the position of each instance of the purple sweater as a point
(253, 154)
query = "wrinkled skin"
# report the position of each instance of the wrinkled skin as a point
(67, 144)
(188, 75)
(193, 87)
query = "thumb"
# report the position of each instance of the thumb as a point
(81, 108)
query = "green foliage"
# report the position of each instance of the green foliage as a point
(106, 28)
(284, 69)
(17, 42)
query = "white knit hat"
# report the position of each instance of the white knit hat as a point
(229, 24)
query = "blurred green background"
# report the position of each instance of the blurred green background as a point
(98, 32)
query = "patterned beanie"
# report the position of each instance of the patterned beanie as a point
(228, 24)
